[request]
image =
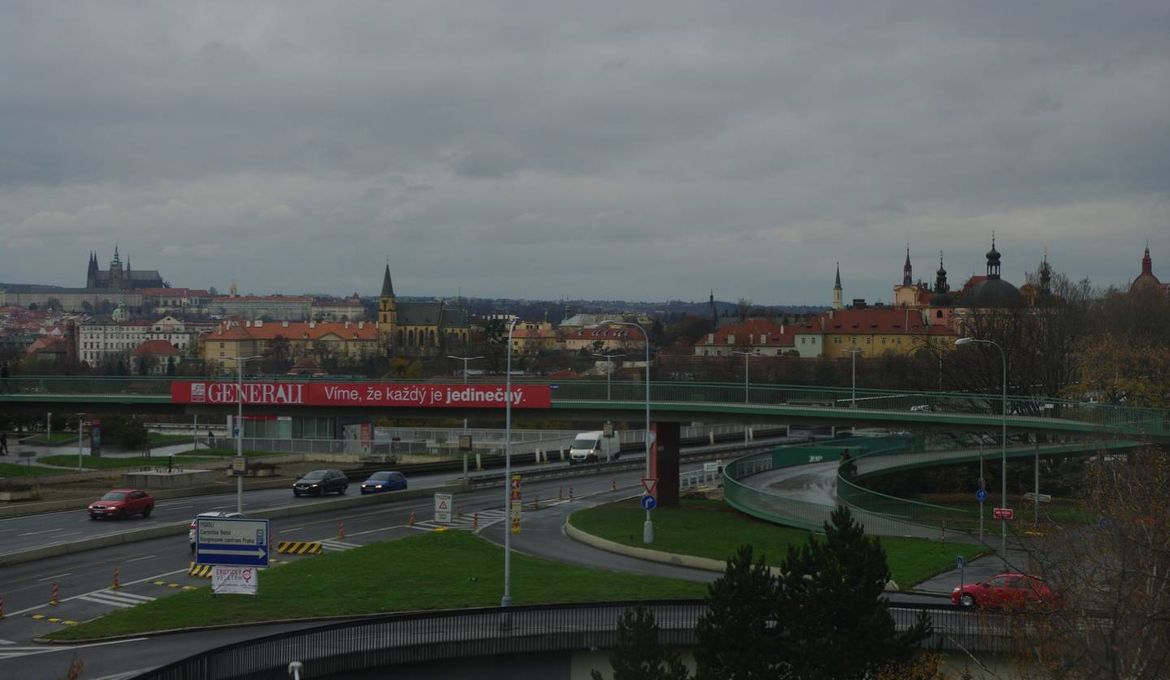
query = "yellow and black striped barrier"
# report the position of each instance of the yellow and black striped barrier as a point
(200, 570)
(298, 548)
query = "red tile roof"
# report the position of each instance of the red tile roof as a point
(305, 330)
(890, 320)
(758, 332)
(155, 348)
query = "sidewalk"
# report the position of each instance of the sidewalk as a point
(16, 447)
(974, 571)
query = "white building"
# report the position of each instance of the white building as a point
(98, 342)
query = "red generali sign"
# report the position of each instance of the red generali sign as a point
(360, 394)
(1003, 513)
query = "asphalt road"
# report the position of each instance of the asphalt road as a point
(158, 567)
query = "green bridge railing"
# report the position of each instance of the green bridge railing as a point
(941, 408)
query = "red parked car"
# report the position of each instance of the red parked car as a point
(1003, 590)
(121, 503)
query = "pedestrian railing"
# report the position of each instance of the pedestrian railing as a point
(421, 637)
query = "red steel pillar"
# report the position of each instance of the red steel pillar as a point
(664, 461)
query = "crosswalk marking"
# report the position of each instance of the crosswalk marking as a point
(466, 521)
(16, 652)
(116, 599)
(334, 544)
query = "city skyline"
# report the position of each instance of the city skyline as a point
(651, 153)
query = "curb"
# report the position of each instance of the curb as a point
(690, 561)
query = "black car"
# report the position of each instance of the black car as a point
(385, 480)
(321, 482)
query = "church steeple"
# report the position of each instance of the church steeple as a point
(1147, 263)
(837, 303)
(940, 277)
(993, 260)
(907, 271)
(387, 285)
(387, 313)
(1045, 276)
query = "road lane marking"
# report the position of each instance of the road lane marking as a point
(50, 578)
(289, 531)
(77, 597)
(138, 559)
(42, 531)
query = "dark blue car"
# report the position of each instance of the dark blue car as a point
(386, 480)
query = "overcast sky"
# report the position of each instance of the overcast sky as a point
(638, 151)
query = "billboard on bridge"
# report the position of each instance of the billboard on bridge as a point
(359, 394)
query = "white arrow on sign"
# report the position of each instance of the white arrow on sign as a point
(257, 552)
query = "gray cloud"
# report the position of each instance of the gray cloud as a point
(524, 149)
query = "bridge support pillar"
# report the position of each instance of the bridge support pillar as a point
(664, 462)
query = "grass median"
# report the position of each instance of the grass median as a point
(708, 528)
(446, 570)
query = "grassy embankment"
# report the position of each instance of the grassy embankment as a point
(423, 572)
(713, 529)
(453, 570)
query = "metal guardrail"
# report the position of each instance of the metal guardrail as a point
(422, 637)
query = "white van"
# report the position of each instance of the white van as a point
(591, 447)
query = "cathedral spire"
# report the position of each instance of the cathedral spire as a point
(1147, 263)
(907, 271)
(940, 279)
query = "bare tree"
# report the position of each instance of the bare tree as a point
(1111, 618)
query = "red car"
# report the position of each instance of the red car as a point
(121, 503)
(1003, 590)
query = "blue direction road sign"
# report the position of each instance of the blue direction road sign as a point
(234, 542)
(981, 495)
(648, 503)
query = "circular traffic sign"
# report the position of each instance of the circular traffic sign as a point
(648, 503)
(981, 495)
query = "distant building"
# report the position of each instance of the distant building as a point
(99, 342)
(1146, 281)
(118, 277)
(154, 357)
(991, 291)
(757, 336)
(287, 340)
(412, 328)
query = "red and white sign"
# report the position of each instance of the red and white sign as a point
(360, 394)
(649, 484)
(1003, 513)
(226, 580)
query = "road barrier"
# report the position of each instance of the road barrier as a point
(341, 529)
(1, 607)
(116, 584)
(54, 598)
(410, 521)
(298, 548)
(200, 570)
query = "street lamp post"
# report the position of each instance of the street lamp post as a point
(240, 361)
(648, 526)
(746, 388)
(506, 600)
(465, 360)
(1002, 438)
(608, 371)
(853, 395)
